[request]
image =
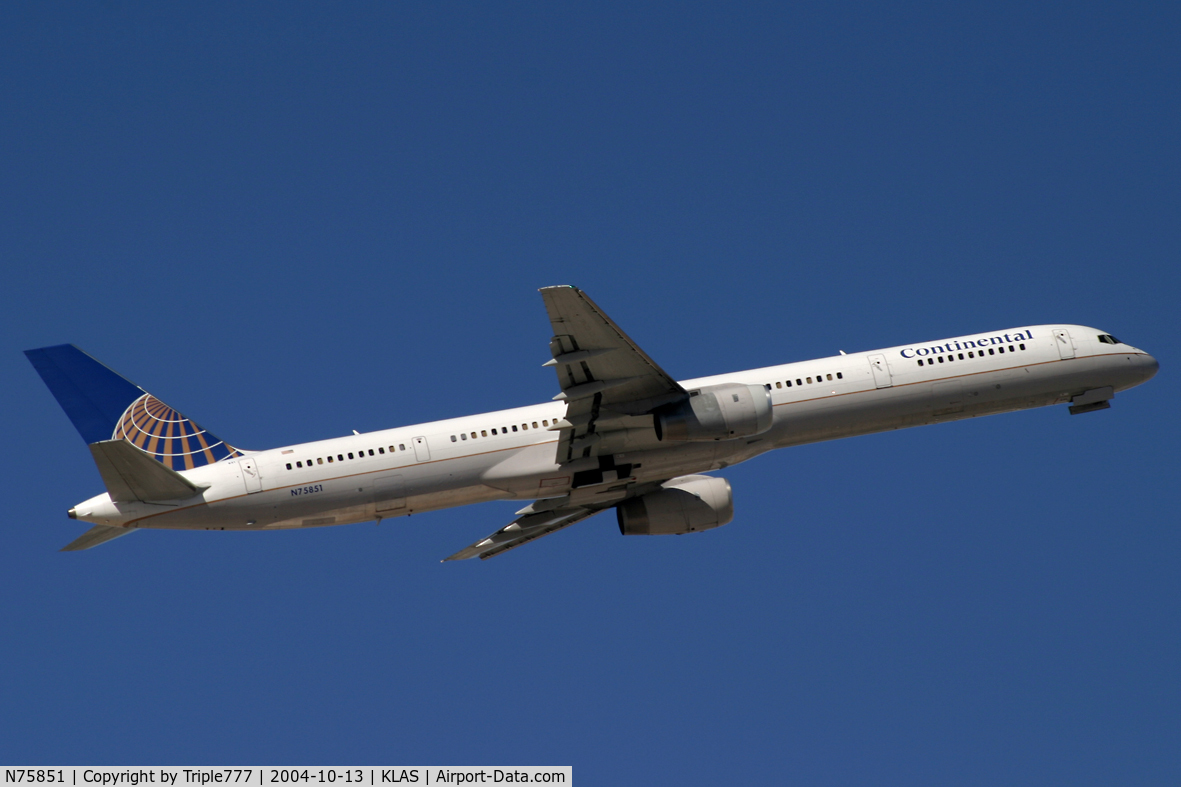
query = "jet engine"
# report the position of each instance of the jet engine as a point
(716, 412)
(683, 505)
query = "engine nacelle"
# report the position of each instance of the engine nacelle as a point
(684, 505)
(716, 412)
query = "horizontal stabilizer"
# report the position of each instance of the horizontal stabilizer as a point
(130, 474)
(99, 534)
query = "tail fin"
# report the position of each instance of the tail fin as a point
(102, 405)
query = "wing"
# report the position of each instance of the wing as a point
(99, 534)
(603, 375)
(523, 530)
(607, 383)
(542, 517)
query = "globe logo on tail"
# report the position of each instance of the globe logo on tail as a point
(163, 433)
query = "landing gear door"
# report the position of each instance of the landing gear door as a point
(422, 452)
(250, 474)
(881, 371)
(1063, 341)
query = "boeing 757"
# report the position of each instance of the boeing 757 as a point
(621, 433)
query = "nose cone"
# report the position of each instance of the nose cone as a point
(1150, 366)
(1144, 367)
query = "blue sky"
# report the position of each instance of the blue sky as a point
(289, 221)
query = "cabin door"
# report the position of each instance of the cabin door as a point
(881, 371)
(1065, 345)
(250, 475)
(422, 452)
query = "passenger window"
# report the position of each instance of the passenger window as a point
(371, 452)
(473, 435)
(454, 439)
(320, 460)
(991, 351)
(778, 384)
(840, 376)
(971, 355)
(493, 432)
(380, 450)
(514, 427)
(534, 424)
(330, 460)
(340, 457)
(1023, 347)
(940, 359)
(463, 436)
(288, 465)
(799, 381)
(809, 379)
(401, 446)
(350, 456)
(545, 423)
(483, 433)
(961, 356)
(920, 361)
(828, 376)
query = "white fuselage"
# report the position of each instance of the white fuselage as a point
(512, 454)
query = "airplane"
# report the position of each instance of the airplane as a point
(621, 433)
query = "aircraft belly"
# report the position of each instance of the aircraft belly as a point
(676, 460)
(907, 405)
(845, 416)
(337, 501)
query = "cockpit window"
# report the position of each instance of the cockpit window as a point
(1107, 338)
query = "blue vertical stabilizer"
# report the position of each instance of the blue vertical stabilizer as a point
(93, 396)
(102, 405)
